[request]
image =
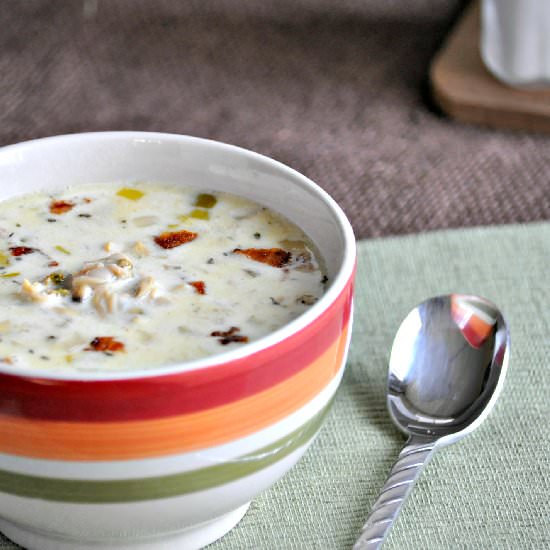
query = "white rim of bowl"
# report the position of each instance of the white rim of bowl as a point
(296, 325)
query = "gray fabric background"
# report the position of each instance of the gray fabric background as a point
(336, 89)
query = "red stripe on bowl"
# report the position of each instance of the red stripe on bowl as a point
(174, 394)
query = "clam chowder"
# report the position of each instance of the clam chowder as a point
(120, 277)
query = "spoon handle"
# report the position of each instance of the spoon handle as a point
(412, 458)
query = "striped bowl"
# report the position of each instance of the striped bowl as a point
(171, 457)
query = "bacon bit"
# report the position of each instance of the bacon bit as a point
(53, 263)
(7, 360)
(199, 286)
(233, 338)
(171, 239)
(229, 332)
(20, 250)
(229, 336)
(87, 200)
(105, 343)
(60, 207)
(275, 257)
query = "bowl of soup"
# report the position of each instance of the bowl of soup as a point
(174, 323)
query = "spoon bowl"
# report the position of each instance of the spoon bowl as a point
(447, 367)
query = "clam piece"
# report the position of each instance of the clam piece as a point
(147, 288)
(104, 300)
(117, 271)
(39, 293)
(86, 284)
(117, 264)
(99, 274)
(33, 291)
(140, 249)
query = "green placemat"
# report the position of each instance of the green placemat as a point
(489, 491)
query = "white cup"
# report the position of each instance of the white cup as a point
(515, 41)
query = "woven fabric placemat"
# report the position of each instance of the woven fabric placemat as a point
(334, 89)
(488, 491)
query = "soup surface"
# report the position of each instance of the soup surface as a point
(111, 277)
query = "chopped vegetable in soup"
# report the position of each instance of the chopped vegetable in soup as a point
(113, 278)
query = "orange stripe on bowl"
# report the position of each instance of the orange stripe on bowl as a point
(150, 438)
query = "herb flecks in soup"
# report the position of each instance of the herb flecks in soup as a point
(113, 278)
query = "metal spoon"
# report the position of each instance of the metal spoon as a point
(447, 366)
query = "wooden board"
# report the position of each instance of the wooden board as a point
(466, 91)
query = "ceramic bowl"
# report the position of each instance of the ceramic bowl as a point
(170, 457)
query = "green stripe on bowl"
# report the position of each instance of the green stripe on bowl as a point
(131, 490)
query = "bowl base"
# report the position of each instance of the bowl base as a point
(191, 538)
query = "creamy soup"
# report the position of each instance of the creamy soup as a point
(107, 277)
